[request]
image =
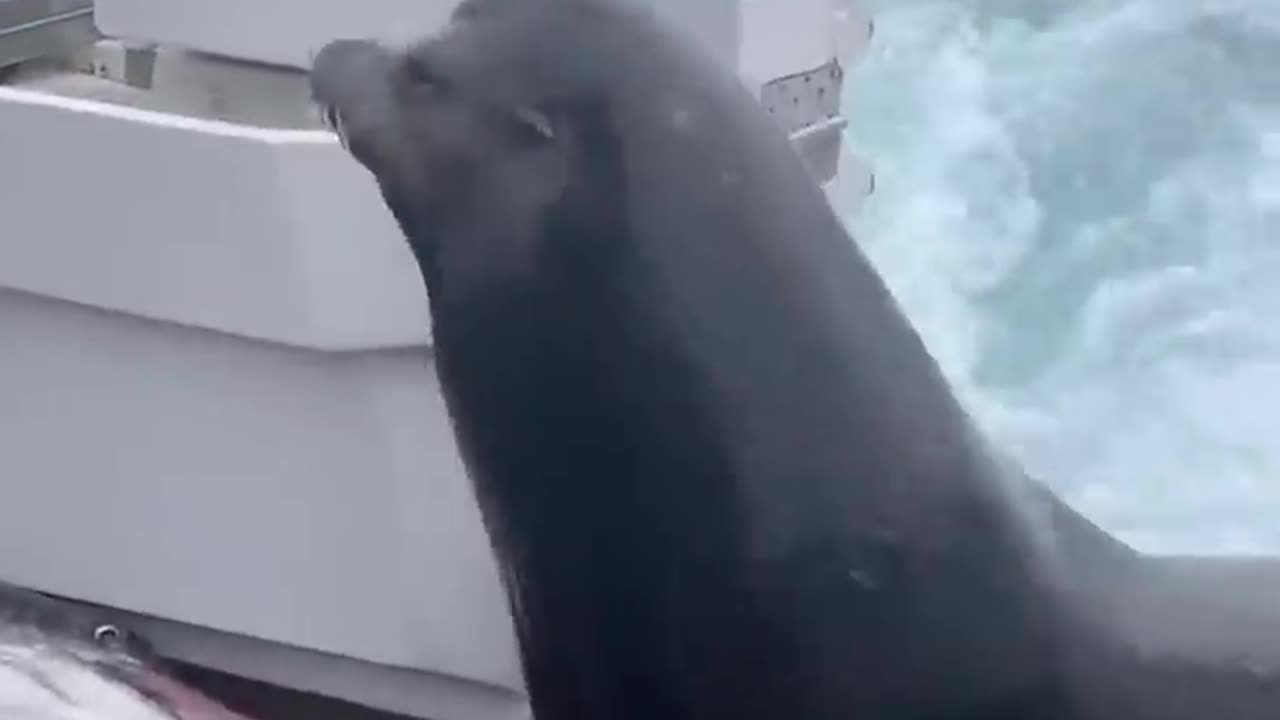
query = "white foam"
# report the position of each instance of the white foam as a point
(1079, 206)
(38, 683)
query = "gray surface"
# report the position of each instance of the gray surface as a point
(310, 499)
(33, 28)
(288, 32)
(398, 690)
(1223, 610)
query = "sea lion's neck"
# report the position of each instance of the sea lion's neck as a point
(611, 503)
(661, 568)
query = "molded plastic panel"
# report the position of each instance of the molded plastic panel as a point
(31, 28)
(311, 499)
(270, 234)
(288, 32)
(283, 32)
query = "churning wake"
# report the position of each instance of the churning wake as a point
(1078, 203)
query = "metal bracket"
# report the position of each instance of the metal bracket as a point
(807, 106)
(805, 99)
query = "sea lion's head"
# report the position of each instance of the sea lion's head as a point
(476, 133)
(417, 117)
(524, 122)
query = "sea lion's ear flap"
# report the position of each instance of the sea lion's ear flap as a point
(535, 122)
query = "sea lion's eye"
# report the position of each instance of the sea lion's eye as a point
(420, 74)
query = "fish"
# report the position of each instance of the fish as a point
(64, 661)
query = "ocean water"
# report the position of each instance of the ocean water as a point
(1078, 204)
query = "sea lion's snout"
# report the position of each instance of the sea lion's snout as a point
(445, 124)
(351, 85)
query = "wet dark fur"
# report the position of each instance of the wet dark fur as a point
(723, 474)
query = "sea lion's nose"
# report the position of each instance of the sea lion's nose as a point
(345, 69)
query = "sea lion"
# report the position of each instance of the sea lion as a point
(721, 472)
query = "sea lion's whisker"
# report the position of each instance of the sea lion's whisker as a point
(331, 118)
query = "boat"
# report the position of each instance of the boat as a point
(220, 426)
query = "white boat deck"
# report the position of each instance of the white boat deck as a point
(221, 418)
